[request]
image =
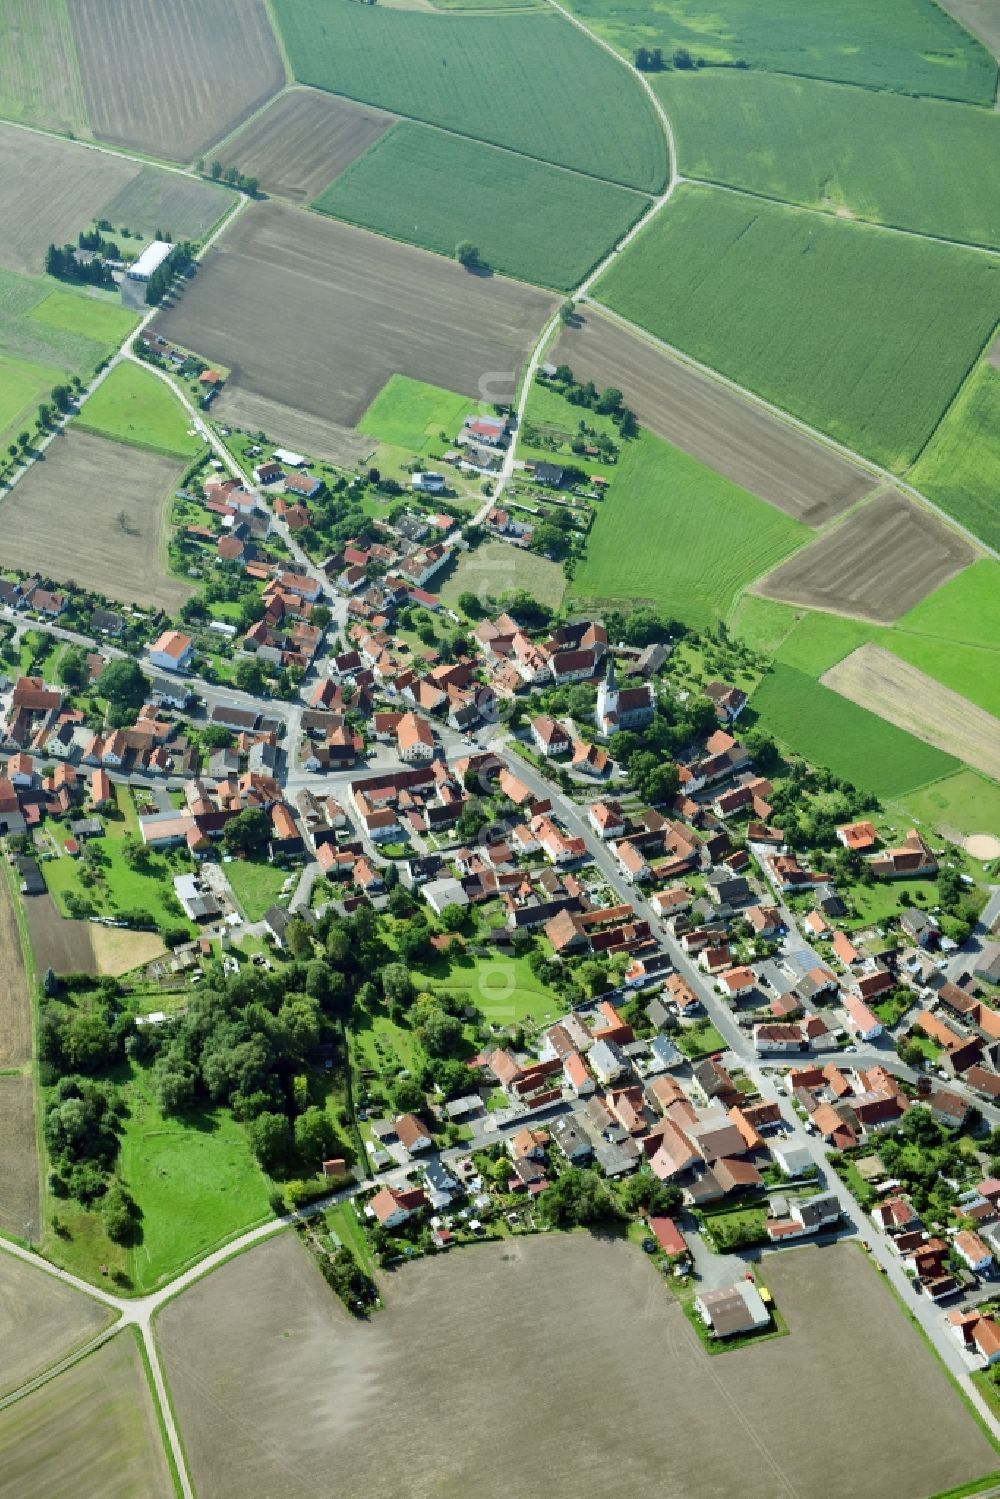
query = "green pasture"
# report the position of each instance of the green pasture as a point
(531, 82)
(527, 219)
(59, 336)
(861, 332)
(22, 387)
(133, 405)
(966, 801)
(105, 322)
(496, 568)
(812, 721)
(677, 533)
(912, 46)
(966, 609)
(412, 415)
(960, 467)
(917, 164)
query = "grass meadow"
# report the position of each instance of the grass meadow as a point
(135, 406)
(675, 532)
(434, 189)
(255, 885)
(863, 333)
(812, 721)
(43, 323)
(917, 164)
(40, 81)
(104, 322)
(960, 467)
(411, 414)
(911, 46)
(966, 801)
(22, 387)
(531, 82)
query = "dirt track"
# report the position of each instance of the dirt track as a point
(730, 433)
(63, 519)
(881, 561)
(317, 315)
(569, 1347)
(907, 697)
(303, 140)
(172, 79)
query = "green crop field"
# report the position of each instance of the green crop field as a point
(861, 332)
(410, 414)
(103, 321)
(762, 623)
(673, 531)
(435, 189)
(39, 71)
(915, 163)
(966, 609)
(133, 405)
(531, 82)
(908, 45)
(812, 721)
(960, 467)
(22, 387)
(194, 1179)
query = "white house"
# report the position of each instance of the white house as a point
(607, 1061)
(973, 1251)
(171, 651)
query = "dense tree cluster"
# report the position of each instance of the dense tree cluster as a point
(64, 265)
(160, 282)
(607, 402)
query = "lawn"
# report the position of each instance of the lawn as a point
(812, 721)
(375, 1037)
(762, 623)
(911, 46)
(554, 422)
(861, 332)
(435, 190)
(914, 163)
(194, 1179)
(135, 406)
(675, 532)
(966, 801)
(700, 1040)
(876, 903)
(960, 467)
(533, 83)
(104, 321)
(496, 568)
(343, 1221)
(255, 885)
(411, 414)
(503, 988)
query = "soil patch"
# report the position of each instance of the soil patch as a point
(57, 942)
(981, 845)
(905, 696)
(20, 1206)
(41, 1321)
(15, 1003)
(275, 1386)
(316, 315)
(171, 79)
(722, 428)
(93, 512)
(880, 562)
(303, 140)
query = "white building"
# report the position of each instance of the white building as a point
(149, 261)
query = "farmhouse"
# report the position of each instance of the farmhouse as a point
(738, 1309)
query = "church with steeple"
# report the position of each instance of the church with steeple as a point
(622, 708)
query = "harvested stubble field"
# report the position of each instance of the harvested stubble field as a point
(93, 512)
(57, 942)
(311, 313)
(531, 82)
(302, 141)
(724, 429)
(39, 75)
(275, 1386)
(433, 189)
(91, 1432)
(41, 1321)
(877, 564)
(905, 696)
(171, 79)
(20, 1207)
(861, 332)
(183, 207)
(909, 46)
(78, 182)
(15, 1004)
(289, 426)
(919, 164)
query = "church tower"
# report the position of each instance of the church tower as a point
(607, 699)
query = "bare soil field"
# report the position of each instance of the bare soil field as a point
(58, 943)
(78, 183)
(551, 1339)
(303, 140)
(171, 79)
(904, 695)
(93, 511)
(769, 457)
(118, 951)
(15, 1004)
(315, 314)
(20, 1205)
(41, 1321)
(290, 427)
(879, 563)
(91, 1433)
(981, 17)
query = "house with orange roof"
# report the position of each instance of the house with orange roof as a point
(859, 836)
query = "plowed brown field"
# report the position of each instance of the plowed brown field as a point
(883, 560)
(302, 141)
(729, 432)
(173, 78)
(316, 315)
